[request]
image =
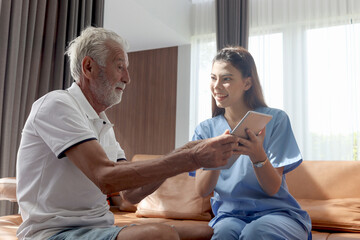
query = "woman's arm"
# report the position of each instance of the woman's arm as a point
(268, 177)
(205, 181)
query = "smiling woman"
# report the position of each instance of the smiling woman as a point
(228, 85)
(250, 195)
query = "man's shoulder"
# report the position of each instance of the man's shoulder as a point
(56, 102)
(55, 97)
(57, 94)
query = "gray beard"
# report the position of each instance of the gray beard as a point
(105, 94)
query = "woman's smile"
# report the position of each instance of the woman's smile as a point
(220, 97)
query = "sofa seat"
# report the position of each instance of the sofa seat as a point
(188, 229)
(329, 192)
(10, 223)
(323, 188)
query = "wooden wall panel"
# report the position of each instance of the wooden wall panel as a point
(144, 121)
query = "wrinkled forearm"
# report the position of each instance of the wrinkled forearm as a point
(131, 175)
(111, 177)
(137, 194)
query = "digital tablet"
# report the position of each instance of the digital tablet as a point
(252, 120)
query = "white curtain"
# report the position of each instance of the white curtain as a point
(308, 57)
(203, 49)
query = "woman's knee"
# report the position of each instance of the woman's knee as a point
(227, 230)
(264, 231)
(274, 227)
(254, 231)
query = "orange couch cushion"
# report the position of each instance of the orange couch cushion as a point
(325, 180)
(329, 192)
(339, 215)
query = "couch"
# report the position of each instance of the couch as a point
(328, 190)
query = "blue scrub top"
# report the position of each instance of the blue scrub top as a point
(238, 192)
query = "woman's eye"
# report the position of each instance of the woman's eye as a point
(226, 79)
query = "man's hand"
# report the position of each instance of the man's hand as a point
(213, 152)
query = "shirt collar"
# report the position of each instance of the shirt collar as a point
(76, 92)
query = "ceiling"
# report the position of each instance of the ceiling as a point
(150, 24)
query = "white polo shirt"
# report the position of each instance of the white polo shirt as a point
(52, 192)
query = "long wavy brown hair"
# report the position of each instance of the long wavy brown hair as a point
(242, 60)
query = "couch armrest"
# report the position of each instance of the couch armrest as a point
(8, 189)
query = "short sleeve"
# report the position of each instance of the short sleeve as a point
(281, 146)
(60, 122)
(197, 136)
(120, 153)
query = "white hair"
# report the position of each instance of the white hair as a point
(91, 42)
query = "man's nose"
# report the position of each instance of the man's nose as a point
(126, 77)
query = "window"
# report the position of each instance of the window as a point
(307, 55)
(203, 49)
(333, 90)
(201, 98)
(268, 52)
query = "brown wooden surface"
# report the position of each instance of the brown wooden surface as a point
(145, 119)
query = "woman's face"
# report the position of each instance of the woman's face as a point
(227, 84)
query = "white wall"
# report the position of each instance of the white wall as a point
(150, 24)
(183, 96)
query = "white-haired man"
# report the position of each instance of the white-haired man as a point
(69, 159)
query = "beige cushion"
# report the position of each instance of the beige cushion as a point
(176, 198)
(122, 204)
(340, 215)
(8, 189)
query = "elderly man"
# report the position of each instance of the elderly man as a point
(69, 159)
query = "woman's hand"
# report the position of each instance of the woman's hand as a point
(253, 146)
(205, 180)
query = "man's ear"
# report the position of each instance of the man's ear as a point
(248, 83)
(88, 67)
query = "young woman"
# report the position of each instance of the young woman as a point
(251, 198)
